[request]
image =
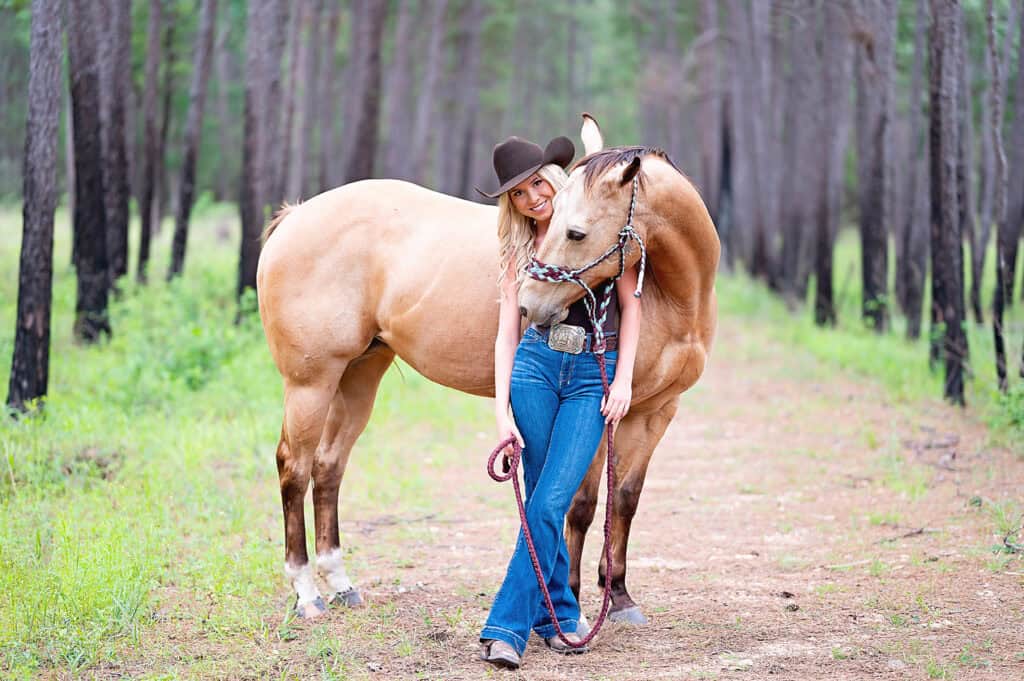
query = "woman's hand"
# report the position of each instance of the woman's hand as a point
(506, 429)
(615, 406)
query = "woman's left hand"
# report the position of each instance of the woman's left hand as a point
(615, 406)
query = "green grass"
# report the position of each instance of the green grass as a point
(147, 484)
(899, 365)
(146, 489)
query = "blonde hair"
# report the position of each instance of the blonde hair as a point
(516, 231)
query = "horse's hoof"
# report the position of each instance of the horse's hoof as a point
(582, 626)
(349, 598)
(311, 610)
(630, 615)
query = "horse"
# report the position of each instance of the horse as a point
(360, 274)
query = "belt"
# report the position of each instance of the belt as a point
(611, 340)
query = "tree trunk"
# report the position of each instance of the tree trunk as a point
(193, 132)
(360, 165)
(710, 107)
(836, 76)
(1009, 233)
(999, 189)
(151, 135)
(225, 123)
(275, 134)
(947, 245)
(328, 92)
(464, 101)
(354, 77)
(423, 125)
(912, 260)
(90, 215)
(799, 148)
(259, 20)
(874, 97)
(30, 364)
(115, 70)
(163, 192)
(298, 50)
(965, 152)
(399, 91)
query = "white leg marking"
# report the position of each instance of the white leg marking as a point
(302, 581)
(332, 567)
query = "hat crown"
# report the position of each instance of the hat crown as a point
(515, 156)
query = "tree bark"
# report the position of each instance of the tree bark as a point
(361, 162)
(710, 107)
(328, 92)
(1009, 232)
(115, 66)
(965, 152)
(298, 49)
(90, 229)
(999, 187)
(151, 145)
(259, 20)
(30, 364)
(273, 189)
(947, 262)
(225, 123)
(423, 124)
(874, 97)
(836, 76)
(912, 260)
(399, 91)
(193, 132)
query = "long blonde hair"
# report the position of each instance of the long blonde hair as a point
(516, 231)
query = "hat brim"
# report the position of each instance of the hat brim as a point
(559, 151)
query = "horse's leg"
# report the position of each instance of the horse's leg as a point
(349, 413)
(305, 409)
(635, 440)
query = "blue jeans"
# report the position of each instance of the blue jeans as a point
(556, 401)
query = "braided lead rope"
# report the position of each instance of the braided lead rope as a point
(597, 312)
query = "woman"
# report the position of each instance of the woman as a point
(558, 410)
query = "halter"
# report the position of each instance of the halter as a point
(598, 311)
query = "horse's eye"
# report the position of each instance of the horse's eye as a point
(575, 235)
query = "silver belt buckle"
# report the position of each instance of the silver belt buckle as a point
(567, 338)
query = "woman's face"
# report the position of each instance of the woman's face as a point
(532, 197)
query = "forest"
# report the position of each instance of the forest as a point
(797, 119)
(863, 163)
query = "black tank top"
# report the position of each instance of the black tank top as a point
(578, 311)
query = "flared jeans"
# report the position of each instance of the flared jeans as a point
(556, 400)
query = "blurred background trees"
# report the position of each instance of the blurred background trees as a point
(795, 118)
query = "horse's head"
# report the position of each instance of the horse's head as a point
(589, 213)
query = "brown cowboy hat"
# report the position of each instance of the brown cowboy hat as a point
(516, 159)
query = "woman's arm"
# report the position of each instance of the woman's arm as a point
(504, 354)
(621, 389)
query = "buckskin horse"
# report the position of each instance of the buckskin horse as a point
(359, 274)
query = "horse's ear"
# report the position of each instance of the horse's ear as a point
(630, 172)
(590, 133)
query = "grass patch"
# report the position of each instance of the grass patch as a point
(148, 480)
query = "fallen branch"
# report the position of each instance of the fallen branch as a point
(906, 535)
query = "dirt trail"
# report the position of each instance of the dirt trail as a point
(793, 526)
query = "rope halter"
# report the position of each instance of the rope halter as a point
(597, 311)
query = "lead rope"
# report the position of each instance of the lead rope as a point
(597, 313)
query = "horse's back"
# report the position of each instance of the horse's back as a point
(374, 259)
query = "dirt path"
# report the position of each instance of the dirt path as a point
(793, 526)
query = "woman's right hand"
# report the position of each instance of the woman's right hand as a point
(506, 429)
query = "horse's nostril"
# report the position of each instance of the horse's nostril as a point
(522, 311)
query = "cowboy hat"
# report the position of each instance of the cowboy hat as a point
(516, 159)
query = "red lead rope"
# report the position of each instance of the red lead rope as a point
(512, 474)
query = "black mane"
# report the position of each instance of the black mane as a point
(595, 165)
